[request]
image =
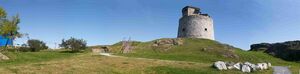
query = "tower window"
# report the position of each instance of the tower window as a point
(183, 29)
(205, 29)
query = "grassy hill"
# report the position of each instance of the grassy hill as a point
(193, 56)
(202, 51)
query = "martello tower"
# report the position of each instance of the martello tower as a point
(193, 24)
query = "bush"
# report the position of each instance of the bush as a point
(24, 48)
(74, 44)
(36, 45)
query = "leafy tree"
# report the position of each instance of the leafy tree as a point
(63, 44)
(9, 27)
(36, 45)
(74, 44)
(2, 13)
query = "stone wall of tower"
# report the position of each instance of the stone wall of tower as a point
(196, 26)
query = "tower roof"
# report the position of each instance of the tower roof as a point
(186, 7)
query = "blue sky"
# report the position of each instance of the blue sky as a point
(100, 22)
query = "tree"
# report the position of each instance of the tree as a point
(74, 44)
(2, 13)
(9, 27)
(36, 45)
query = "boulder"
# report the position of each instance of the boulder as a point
(265, 66)
(252, 66)
(269, 64)
(220, 65)
(3, 57)
(237, 66)
(262, 66)
(229, 65)
(246, 68)
(259, 66)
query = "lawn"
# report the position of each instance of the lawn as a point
(78, 63)
(17, 58)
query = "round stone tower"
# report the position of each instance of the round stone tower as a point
(193, 24)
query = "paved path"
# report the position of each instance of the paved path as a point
(281, 70)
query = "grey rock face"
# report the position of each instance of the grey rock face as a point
(195, 25)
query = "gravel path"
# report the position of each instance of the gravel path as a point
(281, 70)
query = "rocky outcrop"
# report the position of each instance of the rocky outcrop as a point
(101, 49)
(165, 44)
(289, 50)
(260, 47)
(168, 42)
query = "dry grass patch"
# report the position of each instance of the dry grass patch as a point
(96, 64)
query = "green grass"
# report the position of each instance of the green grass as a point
(171, 70)
(192, 51)
(199, 70)
(17, 58)
(81, 63)
(189, 58)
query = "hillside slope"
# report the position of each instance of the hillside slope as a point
(199, 50)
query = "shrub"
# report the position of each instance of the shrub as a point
(74, 44)
(36, 45)
(24, 48)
